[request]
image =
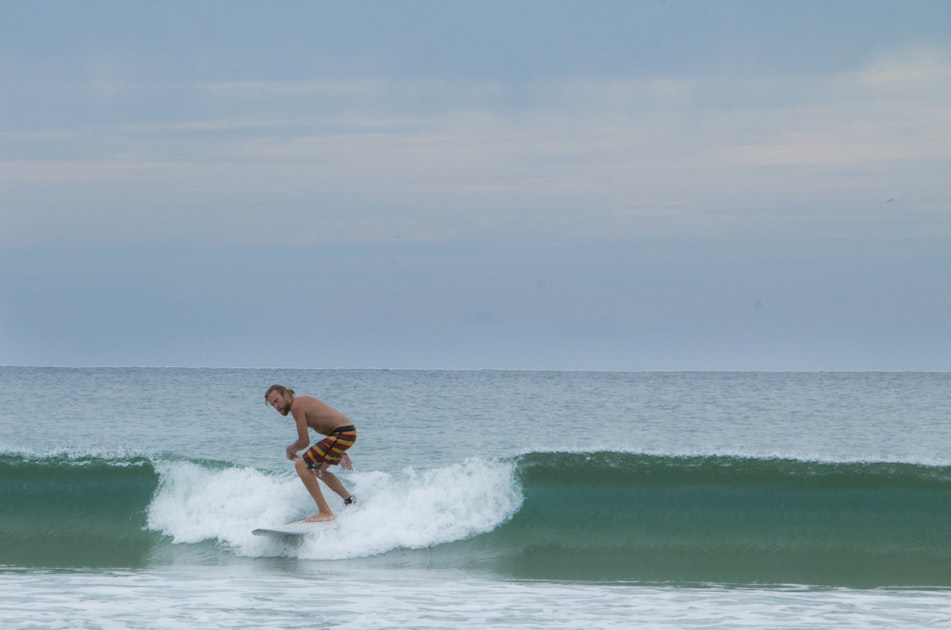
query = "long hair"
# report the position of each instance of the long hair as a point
(280, 389)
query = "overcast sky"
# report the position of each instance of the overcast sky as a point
(631, 185)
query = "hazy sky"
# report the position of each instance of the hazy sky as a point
(632, 185)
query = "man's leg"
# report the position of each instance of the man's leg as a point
(313, 487)
(332, 482)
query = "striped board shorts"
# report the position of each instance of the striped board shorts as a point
(331, 448)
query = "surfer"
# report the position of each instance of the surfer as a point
(308, 412)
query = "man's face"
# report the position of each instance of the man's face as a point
(279, 402)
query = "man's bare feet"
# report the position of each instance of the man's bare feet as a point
(319, 518)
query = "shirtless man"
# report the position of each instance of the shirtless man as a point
(311, 413)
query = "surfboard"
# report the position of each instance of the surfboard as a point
(297, 528)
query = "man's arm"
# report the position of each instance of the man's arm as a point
(303, 439)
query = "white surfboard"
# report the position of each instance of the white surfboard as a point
(297, 528)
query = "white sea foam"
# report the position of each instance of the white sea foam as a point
(187, 597)
(410, 509)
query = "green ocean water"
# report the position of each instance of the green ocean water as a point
(602, 516)
(486, 499)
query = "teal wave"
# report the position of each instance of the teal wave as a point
(622, 516)
(67, 512)
(603, 516)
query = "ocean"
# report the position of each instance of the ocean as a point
(486, 499)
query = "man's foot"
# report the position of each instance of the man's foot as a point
(350, 500)
(320, 517)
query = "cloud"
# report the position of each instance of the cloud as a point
(923, 69)
(557, 160)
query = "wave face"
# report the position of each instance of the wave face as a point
(621, 516)
(67, 512)
(604, 516)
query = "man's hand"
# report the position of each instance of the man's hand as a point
(346, 463)
(290, 452)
